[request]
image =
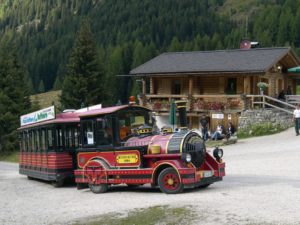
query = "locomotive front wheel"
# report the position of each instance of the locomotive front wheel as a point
(169, 181)
(98, 188)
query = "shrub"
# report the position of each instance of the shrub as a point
(260, 130)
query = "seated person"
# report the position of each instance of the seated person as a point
(124, 132)
(230, 130)
(218, 133)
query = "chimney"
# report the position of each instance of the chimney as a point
(181, 106)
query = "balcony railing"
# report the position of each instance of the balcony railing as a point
(196, 103)
(162, 102)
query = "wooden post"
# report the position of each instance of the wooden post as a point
(144, 86)
(191, 84)
(151, 86)
(190, 96)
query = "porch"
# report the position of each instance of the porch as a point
(196, 103)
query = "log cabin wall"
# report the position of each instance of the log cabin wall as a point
(163, 86)
(247, 85)
(240, 85)
(208, 85)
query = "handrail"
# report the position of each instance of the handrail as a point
(165, 96)
(264, 102)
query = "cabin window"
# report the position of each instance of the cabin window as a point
(88, 127)
(49, 138)
(43, 140)
(176, 88)
(147, 81)
(24, 141)
(32, 140)
(68, 137)
(59, 137)
(37, 139)
(104, 131)
(28, 140)
(231, 86)
(76, 137)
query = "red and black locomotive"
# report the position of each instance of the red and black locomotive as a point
(121, 145)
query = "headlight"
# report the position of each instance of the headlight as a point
(218, 153)
(187, 157)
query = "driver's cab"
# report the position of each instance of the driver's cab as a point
(108, 127)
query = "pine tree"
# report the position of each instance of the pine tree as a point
(175, 45)
(115, 67)
(83, 84)
(14, 100)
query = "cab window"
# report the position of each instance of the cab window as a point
(88, 130)
(104, 131)
(129, 120)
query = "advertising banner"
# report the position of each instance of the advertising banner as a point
(38, 116)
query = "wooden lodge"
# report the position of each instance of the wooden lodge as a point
(214, 83)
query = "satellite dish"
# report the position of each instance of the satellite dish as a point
(245, 44)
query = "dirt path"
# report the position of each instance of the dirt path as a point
(262, 186)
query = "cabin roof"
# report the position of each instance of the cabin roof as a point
(236, 61)
(108, 110)
(67, 117)
(74, 117)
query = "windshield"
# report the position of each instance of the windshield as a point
(129, 120)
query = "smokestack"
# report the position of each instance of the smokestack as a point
(181, 106)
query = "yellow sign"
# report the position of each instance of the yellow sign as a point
(128, 158)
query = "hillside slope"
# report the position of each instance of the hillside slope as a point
(130, 32)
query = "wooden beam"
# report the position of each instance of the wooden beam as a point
(191, 84)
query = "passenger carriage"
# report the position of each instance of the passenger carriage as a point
(47, 145)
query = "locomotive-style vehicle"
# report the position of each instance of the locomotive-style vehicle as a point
(121, 145)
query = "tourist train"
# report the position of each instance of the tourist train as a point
(99, 147)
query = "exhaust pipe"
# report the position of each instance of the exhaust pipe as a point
(181, 106)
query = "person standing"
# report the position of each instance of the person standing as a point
(296, 117)
(204, 128)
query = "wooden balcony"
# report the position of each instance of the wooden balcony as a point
(196, 103)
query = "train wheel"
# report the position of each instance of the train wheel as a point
(29, 178)
(98, 188)
(169, 181)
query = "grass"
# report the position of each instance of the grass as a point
(46, 99)
(146, 216)
(10, 157)
(298, 90)
(260, 130)
(238, 10)
(212, 143)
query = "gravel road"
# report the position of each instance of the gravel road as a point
(262, 186)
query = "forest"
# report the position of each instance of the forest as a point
(127, 33)
(131, 32)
